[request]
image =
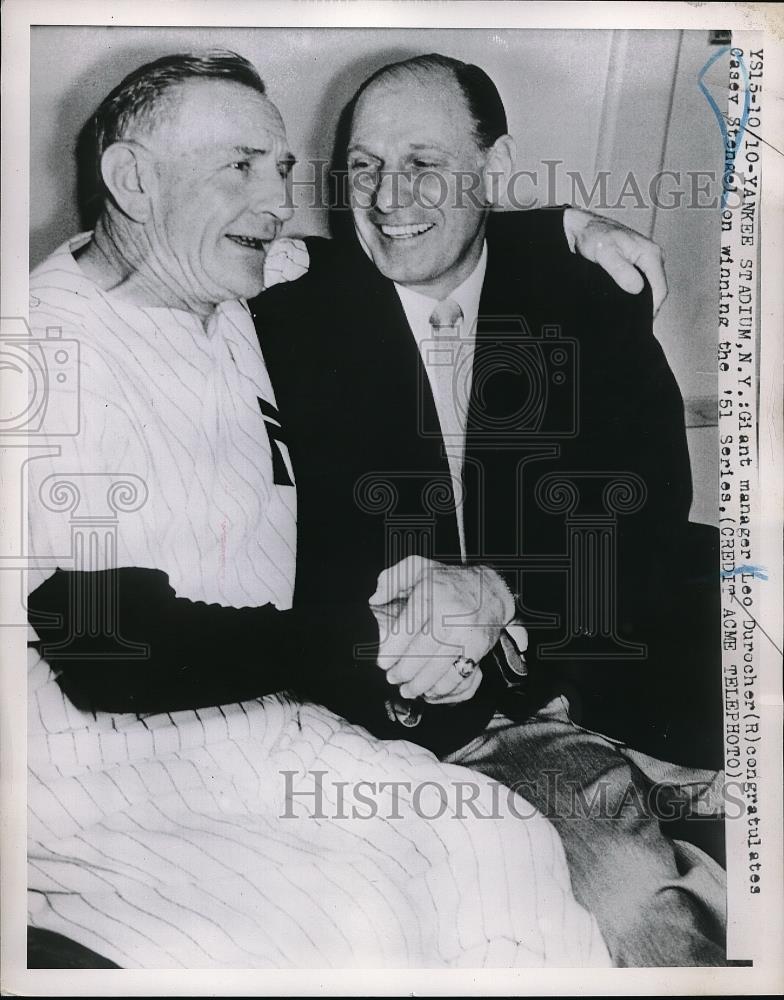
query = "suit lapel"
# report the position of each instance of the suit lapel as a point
(507, 390)
(401, 449)
(492, 399)
(397, 419)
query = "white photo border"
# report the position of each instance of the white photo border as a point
(767, 973)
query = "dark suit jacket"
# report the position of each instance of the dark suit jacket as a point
(577, 479)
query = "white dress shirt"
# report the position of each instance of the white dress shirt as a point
(459, 343)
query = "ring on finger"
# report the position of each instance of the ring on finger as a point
(465, 666)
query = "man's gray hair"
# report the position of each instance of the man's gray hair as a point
(141, 101)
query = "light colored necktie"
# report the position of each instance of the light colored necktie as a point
(445, 368)
(446, 315)
(446, 322)
(449, 370)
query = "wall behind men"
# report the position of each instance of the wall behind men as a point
(596, 114)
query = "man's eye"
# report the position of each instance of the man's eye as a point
(242, 165)
(359, 165)
(425, 164)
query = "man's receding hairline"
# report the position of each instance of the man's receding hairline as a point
(163, 110)
(398, 73)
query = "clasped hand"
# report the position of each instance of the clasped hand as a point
(429, 615)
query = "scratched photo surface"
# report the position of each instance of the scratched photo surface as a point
(373, 501)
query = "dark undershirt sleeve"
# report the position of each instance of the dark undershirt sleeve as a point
(166, 654)
(123, 641)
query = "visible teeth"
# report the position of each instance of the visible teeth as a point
(248, 241)
(406, 232)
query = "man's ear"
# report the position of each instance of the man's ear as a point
(499, 166)
(128, 176)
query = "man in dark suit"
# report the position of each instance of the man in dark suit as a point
(487, 436)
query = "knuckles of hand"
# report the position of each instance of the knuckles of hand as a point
(466, 592)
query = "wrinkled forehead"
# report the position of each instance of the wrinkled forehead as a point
(199, 114)
(415, 107)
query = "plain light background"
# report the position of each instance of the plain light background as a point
(624, 101)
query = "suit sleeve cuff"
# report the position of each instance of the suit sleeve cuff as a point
(508, 657)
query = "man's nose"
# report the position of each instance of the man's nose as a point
(272, 194)
(393, 191)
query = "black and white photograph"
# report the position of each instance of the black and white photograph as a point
(392, 521)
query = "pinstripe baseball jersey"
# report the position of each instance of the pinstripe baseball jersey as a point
(175, 839)
(179, 420)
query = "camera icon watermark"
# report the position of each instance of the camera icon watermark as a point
(39, 408)
(505, 383)
(33, 368)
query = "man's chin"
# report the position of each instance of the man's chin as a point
(401, 265)
(245, 285)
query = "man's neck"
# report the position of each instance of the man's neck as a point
(441, 288)
(118, 260)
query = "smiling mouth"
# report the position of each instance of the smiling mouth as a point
(406, 232)
(249, 242)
